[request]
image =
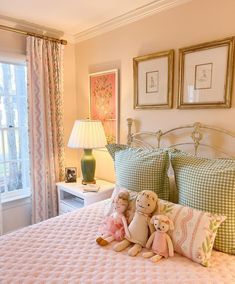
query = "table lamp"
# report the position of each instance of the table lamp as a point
(87, 134)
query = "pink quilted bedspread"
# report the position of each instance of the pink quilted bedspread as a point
(63, 250)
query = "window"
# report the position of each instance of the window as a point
(14, 149)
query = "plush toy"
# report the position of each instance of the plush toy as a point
(114, 226)
(146, 203)
(161, 242)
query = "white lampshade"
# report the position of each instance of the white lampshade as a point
(87, 134)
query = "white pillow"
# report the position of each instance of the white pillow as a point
(194, 230)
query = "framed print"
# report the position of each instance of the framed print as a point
(104, 102)
(203, 76)
(153, 80)
(206, 75)
(71, 174)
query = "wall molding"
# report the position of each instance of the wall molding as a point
(154, 7)
(127, 18)
(30, 27)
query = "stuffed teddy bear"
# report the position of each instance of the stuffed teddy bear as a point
(161, 242)
(146, 203)
(114, 226)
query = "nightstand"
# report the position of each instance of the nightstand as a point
(71, 196)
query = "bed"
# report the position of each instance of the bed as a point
(63, 250)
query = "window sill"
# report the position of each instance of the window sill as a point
(14, 198)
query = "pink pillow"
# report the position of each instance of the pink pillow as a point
(194, 232)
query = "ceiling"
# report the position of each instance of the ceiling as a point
(81, 18)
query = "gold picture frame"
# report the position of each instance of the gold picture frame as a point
(206, 75)
(153, 80)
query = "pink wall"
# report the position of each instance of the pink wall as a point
(191, 23)
(70, 102)
(12, 43)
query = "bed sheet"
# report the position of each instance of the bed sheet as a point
(63, 250)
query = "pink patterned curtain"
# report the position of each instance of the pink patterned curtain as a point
(1, 230)
(46, 137)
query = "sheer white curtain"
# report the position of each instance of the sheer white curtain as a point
(46, 138)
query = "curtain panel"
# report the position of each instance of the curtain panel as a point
(46, 135)
(1, 223)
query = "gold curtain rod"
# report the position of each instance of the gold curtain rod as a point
(6, 28)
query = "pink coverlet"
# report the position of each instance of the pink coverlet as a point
(63, 250)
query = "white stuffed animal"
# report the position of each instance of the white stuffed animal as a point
(146, 204)
(161, 242)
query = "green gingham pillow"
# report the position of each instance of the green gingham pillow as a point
(113, 148)
(208, 185)
(139, 169)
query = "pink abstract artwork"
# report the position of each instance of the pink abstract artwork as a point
(103, 102)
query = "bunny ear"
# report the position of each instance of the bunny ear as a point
(153, 218)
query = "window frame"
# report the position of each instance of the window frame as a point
(15, 59)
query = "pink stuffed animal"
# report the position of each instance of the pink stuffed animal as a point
(114, 226)
(161, 242)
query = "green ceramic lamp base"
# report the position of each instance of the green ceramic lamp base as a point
(88, 167)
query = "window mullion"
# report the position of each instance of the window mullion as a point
(4, 162)
(13, 128)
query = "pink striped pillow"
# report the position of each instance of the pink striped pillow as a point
(194, 232)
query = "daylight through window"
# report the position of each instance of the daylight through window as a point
(14, 150)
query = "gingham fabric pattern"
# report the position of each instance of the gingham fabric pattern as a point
(139, 169)
(113, 148)
(208, 185)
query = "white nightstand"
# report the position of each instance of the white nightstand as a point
(71, 195)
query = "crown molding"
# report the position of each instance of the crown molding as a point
(127, 18)
(30, 27)
(69, 37)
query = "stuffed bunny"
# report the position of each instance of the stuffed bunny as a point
(146, 203)
(161, 242)
(114, 226)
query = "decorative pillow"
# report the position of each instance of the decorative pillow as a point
(114, 148)
(141, 169)
(208, 185)
(194, 231)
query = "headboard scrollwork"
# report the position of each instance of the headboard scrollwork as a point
(196, 135)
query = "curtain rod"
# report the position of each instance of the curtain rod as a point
(6, 28)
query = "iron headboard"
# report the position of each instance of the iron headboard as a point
(197, 133)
